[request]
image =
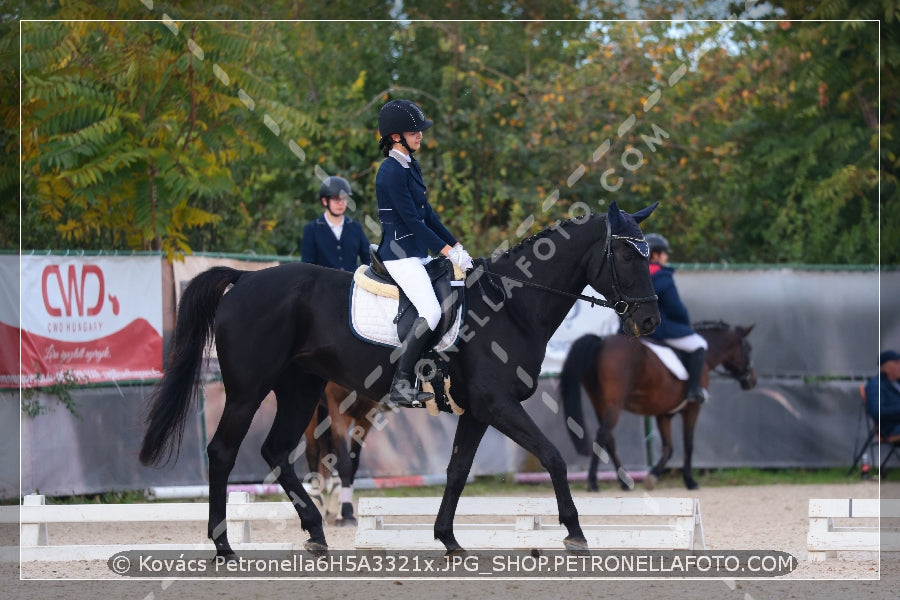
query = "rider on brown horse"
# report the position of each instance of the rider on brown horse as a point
(675, 327)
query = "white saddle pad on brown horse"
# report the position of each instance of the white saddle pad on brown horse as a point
(669, 359)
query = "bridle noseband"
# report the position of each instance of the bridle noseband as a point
(623, 304)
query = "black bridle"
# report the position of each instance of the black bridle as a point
(744, 376)
(623, 304)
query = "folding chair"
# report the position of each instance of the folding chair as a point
(874, 439)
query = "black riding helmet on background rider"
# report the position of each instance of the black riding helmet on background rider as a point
(657, 243)
(334, 186)
(400, 116)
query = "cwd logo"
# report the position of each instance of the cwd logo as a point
(82, 293)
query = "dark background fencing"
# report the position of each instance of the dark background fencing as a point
(816, 338)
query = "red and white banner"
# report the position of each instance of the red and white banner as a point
(83, 319)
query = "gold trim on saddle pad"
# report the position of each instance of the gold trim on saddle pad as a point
(385, 289)
(376, 287)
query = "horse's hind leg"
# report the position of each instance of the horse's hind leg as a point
(689, 420)
(222, 451)
(340, 397)
(298, 396)
(664, 424)
(609, 445)
(605, 448)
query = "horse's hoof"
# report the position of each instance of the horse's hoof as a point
(692, 485)
(346, 522)
(650, 481)
(456, 552)
(576, 545)
(316, 548)
(593, 487)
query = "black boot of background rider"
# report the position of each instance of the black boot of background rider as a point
(403, 389)
(693, 362)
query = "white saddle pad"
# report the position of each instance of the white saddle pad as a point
(669, 359)
(372, 319)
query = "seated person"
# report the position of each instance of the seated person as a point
(885, 387)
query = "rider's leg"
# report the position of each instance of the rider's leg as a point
(694, 348)
(410, 274)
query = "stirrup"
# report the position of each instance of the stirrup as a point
(700, 395)
(406, 396)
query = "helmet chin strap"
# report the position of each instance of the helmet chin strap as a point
(405, 145)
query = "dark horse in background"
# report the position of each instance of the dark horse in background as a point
(286, 329)
(620, 373)
(334, 441)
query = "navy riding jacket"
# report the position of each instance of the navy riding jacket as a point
(320, 247)
(674, 319)
(890, 403)
(410, 225)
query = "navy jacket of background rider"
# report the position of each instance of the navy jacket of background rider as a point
(675, 322)
(320, 247)
(410, 226)
(890, 403)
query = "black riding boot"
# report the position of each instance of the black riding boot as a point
(403, 389)
(693, 362)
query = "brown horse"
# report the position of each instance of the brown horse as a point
(619, 374)
(342, 413)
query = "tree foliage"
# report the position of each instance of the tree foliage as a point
(758, 138)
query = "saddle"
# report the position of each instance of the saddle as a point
(441, 273)
(380, 312)
(669, 356)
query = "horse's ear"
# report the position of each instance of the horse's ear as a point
(614, 215)
(644, 212)
(745, 331)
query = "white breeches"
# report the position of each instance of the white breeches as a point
(410, 274)
(688, 343)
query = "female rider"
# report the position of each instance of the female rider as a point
(411, 229)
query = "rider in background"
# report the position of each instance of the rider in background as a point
(334, 239)
(410, 230)
(675, 325)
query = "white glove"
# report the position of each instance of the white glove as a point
(459, 257)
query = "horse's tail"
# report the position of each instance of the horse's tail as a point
(171, 397)
(581, 362)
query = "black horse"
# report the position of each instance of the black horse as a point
(286, 329)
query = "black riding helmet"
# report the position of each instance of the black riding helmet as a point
(657, 243)
(334, 186)
(398, 116)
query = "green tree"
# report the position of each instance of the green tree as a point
(129, 129)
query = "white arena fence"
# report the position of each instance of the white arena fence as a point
(847, 524)
(608, 523)
(36, 517)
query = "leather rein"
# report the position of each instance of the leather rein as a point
(623, 304)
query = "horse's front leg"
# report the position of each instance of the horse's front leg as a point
(689, 420)
(510, 418)
(664, 425)
(469, 432)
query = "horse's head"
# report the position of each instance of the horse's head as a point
(737, 359)
(625, 261)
